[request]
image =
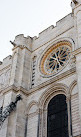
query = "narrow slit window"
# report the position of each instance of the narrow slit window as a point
(33, 71)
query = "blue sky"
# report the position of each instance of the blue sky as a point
(28, 17)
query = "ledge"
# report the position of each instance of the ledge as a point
(28, 92)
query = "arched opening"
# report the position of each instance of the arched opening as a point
(57, 119)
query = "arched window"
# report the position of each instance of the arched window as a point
(57, 119)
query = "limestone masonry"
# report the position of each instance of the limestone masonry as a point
(46, 72)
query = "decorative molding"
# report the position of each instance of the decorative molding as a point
(52, 91)
(21, 47)
(6, 67)
(48, 94)
(30, 105)
(51, 51)
(32, 114)
(55, 37)
(77, 51)
(52, 80)
(72, 85)
(14, 89)
(73, 96)
(54, 44)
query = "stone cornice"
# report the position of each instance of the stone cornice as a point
(54, 79)
(77, 51)
(6, 67)
(14, 89)
(28, 92)
(53, 39)
(22, 47)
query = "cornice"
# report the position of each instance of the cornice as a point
(76, 52)
(6, 67)
(14, 89)
(54, 79)
(28, 92)
(22, 47)
(53, 39)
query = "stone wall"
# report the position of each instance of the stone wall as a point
(29, 119)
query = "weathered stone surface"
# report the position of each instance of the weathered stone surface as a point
(20, 74)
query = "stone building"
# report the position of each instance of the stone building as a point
(46, 72)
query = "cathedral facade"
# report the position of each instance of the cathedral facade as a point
(40, 84)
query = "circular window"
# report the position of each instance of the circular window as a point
(55, 58)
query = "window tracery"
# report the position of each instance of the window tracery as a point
(55, 58)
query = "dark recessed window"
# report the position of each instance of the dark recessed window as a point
(57, 120)
(33, 71)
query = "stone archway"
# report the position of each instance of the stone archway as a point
(53, 90)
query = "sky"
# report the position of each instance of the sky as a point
(28, 17)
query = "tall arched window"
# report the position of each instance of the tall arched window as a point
(57, 120)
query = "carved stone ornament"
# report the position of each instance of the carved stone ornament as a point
(55, 58)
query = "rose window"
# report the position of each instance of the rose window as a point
(55, 59)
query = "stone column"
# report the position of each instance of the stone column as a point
(68, 101)
(44, 126)
(40, 122)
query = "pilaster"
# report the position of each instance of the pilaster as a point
(21, 62)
